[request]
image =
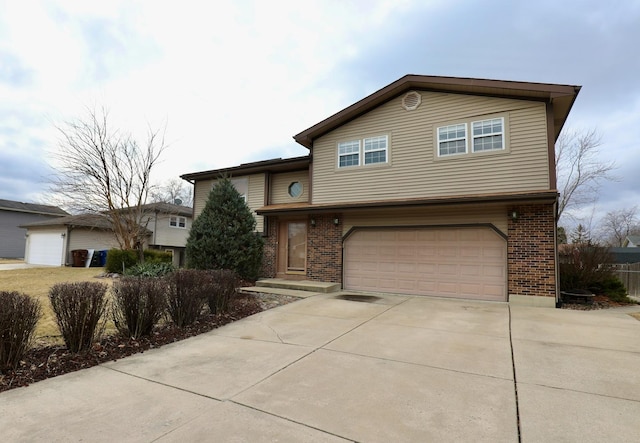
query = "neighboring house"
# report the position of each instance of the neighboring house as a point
(12, 215)
(432, 186)
(632, 241)
(625, 255)
(51, 242)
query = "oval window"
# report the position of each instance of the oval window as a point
(295, 189)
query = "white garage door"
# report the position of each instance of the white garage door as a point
(45, 248)
(445, 262)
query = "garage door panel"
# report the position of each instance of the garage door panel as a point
(450, 262)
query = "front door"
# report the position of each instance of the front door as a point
(292, 249)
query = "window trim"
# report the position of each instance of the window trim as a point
(345, 154)
(476, 137)
(469, 138)
(362, 151)
(465, 138)
(177, 219)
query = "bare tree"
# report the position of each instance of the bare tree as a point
(173, 191)
(617, 225)
(579, 169)
(102, 170)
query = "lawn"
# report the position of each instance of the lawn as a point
(36, 283)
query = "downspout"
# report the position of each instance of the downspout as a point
(557, 255)
(155, 226)
(67, 246)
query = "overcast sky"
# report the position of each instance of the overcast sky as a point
(235, 80)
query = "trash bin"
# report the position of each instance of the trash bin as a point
(79, 257)
(103, 258)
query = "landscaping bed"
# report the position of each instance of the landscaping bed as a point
(47, 361)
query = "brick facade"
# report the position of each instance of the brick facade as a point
(270, 251)
(531, 258)
(324, 249)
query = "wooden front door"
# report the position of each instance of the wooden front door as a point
(292, 249)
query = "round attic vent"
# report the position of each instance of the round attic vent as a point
(411, 100)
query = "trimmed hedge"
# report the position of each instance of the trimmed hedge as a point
(157, 256)
(118, 260)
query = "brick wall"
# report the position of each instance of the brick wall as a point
(270, 248)
(530, 251)
(324, 249)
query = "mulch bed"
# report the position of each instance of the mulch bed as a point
(599, 302)
(44, 362)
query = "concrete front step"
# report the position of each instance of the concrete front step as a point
(298, 285)
(277, 291)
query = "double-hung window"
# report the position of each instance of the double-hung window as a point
(178, 222)
(452, 139)
(368, 151)
(375, 150)
(349, 153)
(479, 135)
(488, 135)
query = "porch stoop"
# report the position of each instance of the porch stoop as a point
(298, 285)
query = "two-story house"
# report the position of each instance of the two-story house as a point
(432, 186)
(51, 242)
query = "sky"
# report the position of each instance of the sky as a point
(232, 81)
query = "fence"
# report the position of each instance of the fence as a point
(629, 274)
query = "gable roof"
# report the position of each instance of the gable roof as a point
(33, 208)
(635, 239)
(168, 208)
(561, 96)
(273, 165)
(95, 221)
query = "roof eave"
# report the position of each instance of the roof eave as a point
(458, 85)
(521, 198)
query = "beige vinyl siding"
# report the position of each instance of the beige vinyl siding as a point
(255, 197)
(280, 187)
(415, 171)
(433, 216)
(167, 235)
(85, 238)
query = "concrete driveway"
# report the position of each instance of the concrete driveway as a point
(327, 369)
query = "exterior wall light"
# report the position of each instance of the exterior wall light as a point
(514, 215)
(313, 222)
(336, 221)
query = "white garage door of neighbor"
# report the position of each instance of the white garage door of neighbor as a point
(45, 248)
(445, 262)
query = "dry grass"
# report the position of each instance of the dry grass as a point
(635, 315)
(36, 282)
(10, 261)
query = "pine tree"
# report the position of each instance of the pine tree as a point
(223, 237)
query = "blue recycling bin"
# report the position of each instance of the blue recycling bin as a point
(103, 257)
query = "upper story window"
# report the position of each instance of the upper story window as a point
(375, 150)
(488, 135)
(485, 135)
(452, 139)
(367, 151)
(349, 153)
(178, 222)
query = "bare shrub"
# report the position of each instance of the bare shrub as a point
(138, 305)
(19, 315)
(186, 295)
(79, 309)
(224, 284)
(583, 266)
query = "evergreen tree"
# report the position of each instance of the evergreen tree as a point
(223, 237)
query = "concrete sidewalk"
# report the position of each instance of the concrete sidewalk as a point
(395, 368)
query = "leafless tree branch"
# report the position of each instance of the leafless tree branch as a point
(101, 170)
